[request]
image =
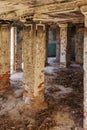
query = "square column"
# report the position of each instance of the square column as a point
(69, 41)
(79, 44)
(84, 11)
(63, 45)
(46, 54)
(4, 55)
(12, 58)
(18, 48)
(34, 50)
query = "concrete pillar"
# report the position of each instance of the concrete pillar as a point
(84, 11)
(46, 55)
(12, 52)
(79, 44)
(34, 47)
(4, 55)
(68, 49)
(63, 44)
(18, 50)
(58, 44)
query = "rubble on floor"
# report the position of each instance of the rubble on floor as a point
(63, 93)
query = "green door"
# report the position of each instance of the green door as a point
(52, 49)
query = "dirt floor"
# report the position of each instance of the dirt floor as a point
(63, 94)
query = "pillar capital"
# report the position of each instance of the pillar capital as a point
(28, 24)
(64, 25)
(4, 25)
(40, 25)
(84, 12)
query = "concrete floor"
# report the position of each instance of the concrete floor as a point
(63, 93)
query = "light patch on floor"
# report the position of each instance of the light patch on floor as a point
(17, 76)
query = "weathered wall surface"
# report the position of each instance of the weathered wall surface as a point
(4, 55)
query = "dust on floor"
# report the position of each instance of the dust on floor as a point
(63, 93)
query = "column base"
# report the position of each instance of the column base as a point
(62, 65)
(46, 64)
(4, 81)
(36, 102)
(19, 70)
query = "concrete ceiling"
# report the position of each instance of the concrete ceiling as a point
(42, 10)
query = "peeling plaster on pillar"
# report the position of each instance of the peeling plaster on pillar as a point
(46, 55)
(39, 61)
(58, 44)
(4, 55)
(84, 11)
(18, 58)
(63, 44)
(79, 44)
(15, 43)
(85, 77)
(28, 61)
(34, 47)
(68, 51)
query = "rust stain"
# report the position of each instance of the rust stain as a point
(6, 75)
(62, 63)
(32, 98)
(41, 85)
(25, 93)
